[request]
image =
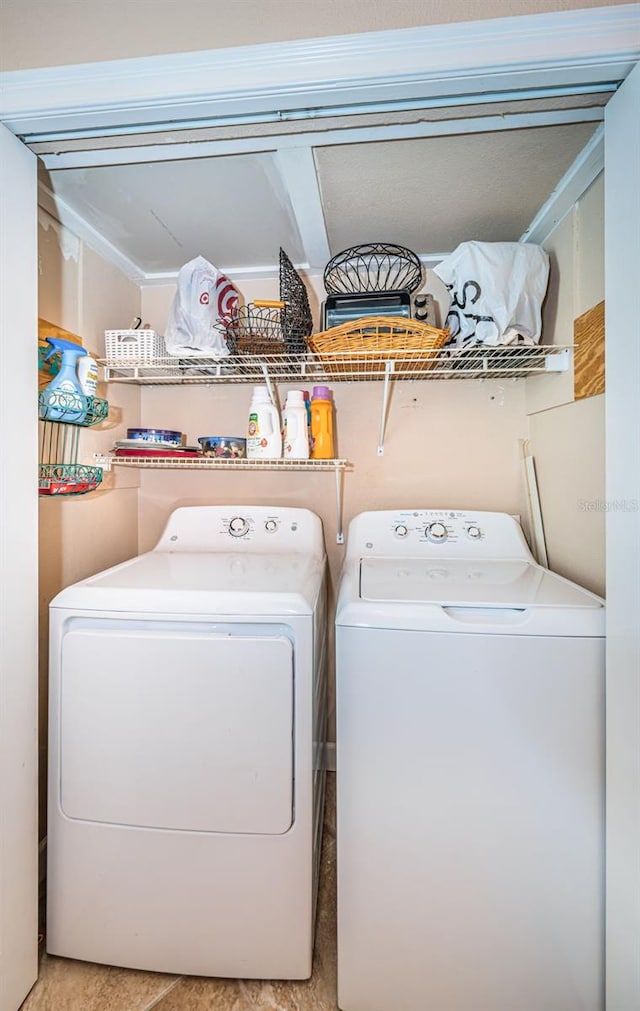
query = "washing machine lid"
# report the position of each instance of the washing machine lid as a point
(512, 597)
(202, 582)
(462, 583)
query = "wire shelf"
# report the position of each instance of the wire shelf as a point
(221, 463)
(470, 363)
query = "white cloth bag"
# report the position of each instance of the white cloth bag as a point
(204, 298)
(497, 290)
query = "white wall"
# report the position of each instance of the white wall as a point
(568, 438)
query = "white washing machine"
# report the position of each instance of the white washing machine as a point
(187, 721)
(470, 771)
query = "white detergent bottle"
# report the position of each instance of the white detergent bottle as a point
(88, 375)
(295, 434)
(264, 438)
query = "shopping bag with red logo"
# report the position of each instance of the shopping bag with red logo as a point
(204, 299)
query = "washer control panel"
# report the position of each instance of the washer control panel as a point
(437, 533)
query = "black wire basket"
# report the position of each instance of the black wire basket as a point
(297, 322)
(281, 328)
(374, 266)
(255, 330)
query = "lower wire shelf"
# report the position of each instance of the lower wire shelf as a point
(204, 463)
(218, 463)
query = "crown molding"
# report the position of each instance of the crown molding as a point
(566, 47)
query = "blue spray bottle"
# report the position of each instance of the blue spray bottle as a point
(63, 397)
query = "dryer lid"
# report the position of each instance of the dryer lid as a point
(469, 583)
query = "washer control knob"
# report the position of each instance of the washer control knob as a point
(271, 526)
(474, 532)
(436, 532)
(401, 530)
(238, 526)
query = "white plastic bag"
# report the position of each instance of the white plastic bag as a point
(497, 290)
(204, 298)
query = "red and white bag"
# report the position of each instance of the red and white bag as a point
(205, 298)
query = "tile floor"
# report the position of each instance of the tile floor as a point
(67, 985)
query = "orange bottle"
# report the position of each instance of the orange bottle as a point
(322, 424)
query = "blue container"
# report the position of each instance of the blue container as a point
(163, 435)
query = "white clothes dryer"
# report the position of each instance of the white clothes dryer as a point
(188, 701)
(470, 771)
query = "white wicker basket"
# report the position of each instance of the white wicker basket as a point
(133, 345)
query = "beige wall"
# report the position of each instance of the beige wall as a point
(34, 33)
(84, 534)
(567, 438)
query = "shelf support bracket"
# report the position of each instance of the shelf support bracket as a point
(558, 362)
(267, 379)
(339, 487)
(388, 369)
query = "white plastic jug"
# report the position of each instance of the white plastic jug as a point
(295, 433)
(264, 438)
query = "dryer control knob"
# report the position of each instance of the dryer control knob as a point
(238, 526)
(401, 531)
(271, 526)
(474, 533)
(436, 532)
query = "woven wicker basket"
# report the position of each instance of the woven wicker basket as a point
(379, 339)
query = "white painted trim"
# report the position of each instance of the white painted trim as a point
(297, 170)
(318, 138)
(269, 271)
(318, 115)
(622, 425)
(60, 211)
(587, 167)
(565, 47)
(18, 577)
(264, 272)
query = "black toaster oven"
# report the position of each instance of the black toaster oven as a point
(338, 309)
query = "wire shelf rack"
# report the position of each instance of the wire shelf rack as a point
(206, 463)
(220, 463)
(470, 363)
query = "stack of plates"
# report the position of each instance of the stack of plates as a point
(140, 447)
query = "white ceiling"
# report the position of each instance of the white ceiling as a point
(434, 193)
(237, 209)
